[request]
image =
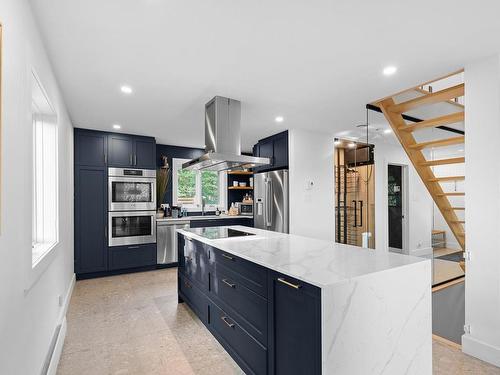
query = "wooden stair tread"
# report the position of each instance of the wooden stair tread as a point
(447, 178)
(432, 98)
(438, 143)
(393, 112)
(435, 122)
(431, 163)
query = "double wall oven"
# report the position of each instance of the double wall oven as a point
(132, 206)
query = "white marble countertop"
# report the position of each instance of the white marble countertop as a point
(206, 217)
(318, 262)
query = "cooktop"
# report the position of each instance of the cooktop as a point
(214, 233)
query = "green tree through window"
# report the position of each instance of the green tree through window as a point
(210, 187)
(186, 186)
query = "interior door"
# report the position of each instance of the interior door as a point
(395, 205)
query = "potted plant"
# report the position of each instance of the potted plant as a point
(162, 179)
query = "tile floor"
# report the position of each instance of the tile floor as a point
(132, 324)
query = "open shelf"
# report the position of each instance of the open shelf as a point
(240, 188)
(246, 173)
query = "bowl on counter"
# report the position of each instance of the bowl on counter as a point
(243, 184)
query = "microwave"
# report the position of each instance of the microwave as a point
(246, 209)
(131, 189)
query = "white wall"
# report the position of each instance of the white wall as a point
(419, 201)
(482, 283)
(29, 302)
(311, 159)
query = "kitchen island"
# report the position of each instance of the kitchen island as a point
(286, 304)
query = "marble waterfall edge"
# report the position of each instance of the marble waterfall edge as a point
(379, 323)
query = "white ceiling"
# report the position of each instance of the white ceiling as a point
(317, 63)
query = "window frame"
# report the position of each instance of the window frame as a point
(196, 206)
(40, 249)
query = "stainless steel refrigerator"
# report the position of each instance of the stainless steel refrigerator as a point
(271, 200)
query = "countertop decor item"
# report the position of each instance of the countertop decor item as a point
(162, 179)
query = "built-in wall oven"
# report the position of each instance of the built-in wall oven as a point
(131, 227)
(131, 189)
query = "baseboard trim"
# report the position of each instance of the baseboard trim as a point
(56, 354)
(481, 350)
(55, 351)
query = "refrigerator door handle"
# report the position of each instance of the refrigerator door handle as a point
(269, 206)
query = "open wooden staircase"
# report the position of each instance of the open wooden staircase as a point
(405, 132)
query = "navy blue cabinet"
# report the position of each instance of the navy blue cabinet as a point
(145, 153)
(123, 257)
(295, 326)
(131, 151)
(268, 322)
(90, 148)
(120, 150)
(95, 151)
(275, 148)
(90, 219)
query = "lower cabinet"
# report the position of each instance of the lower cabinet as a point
(123, 257)
(295, 326)
(273, 332)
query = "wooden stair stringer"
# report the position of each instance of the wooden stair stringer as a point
(426, 174)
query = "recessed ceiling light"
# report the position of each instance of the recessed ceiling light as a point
(279, 119)
(126, 89)
(351, 145)
(388, 131)
(117, 126)
(390, 70)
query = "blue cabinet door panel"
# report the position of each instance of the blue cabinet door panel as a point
(90, 148)
(120, 150)
(145, 153)
(295, 327)
(248, 352)
(90, 219)
(251, 308)
(123, 257)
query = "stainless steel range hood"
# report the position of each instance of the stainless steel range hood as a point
(223, 139)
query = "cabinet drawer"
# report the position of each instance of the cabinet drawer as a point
(245, 350)
(193, 262)
(194, 297)
(121, 257)
(251, 275)
(250, 307)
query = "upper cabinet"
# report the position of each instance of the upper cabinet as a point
(131, 151)
(120, 150)
(145, 152)
(90, 148)
(275, 148)
(101, 149)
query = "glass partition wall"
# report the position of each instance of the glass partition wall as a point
(354, 193)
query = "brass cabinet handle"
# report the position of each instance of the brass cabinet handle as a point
(294, 286)
(229, 284)
(225, 320)
(227, 257)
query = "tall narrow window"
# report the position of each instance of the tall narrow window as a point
(45, 174)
